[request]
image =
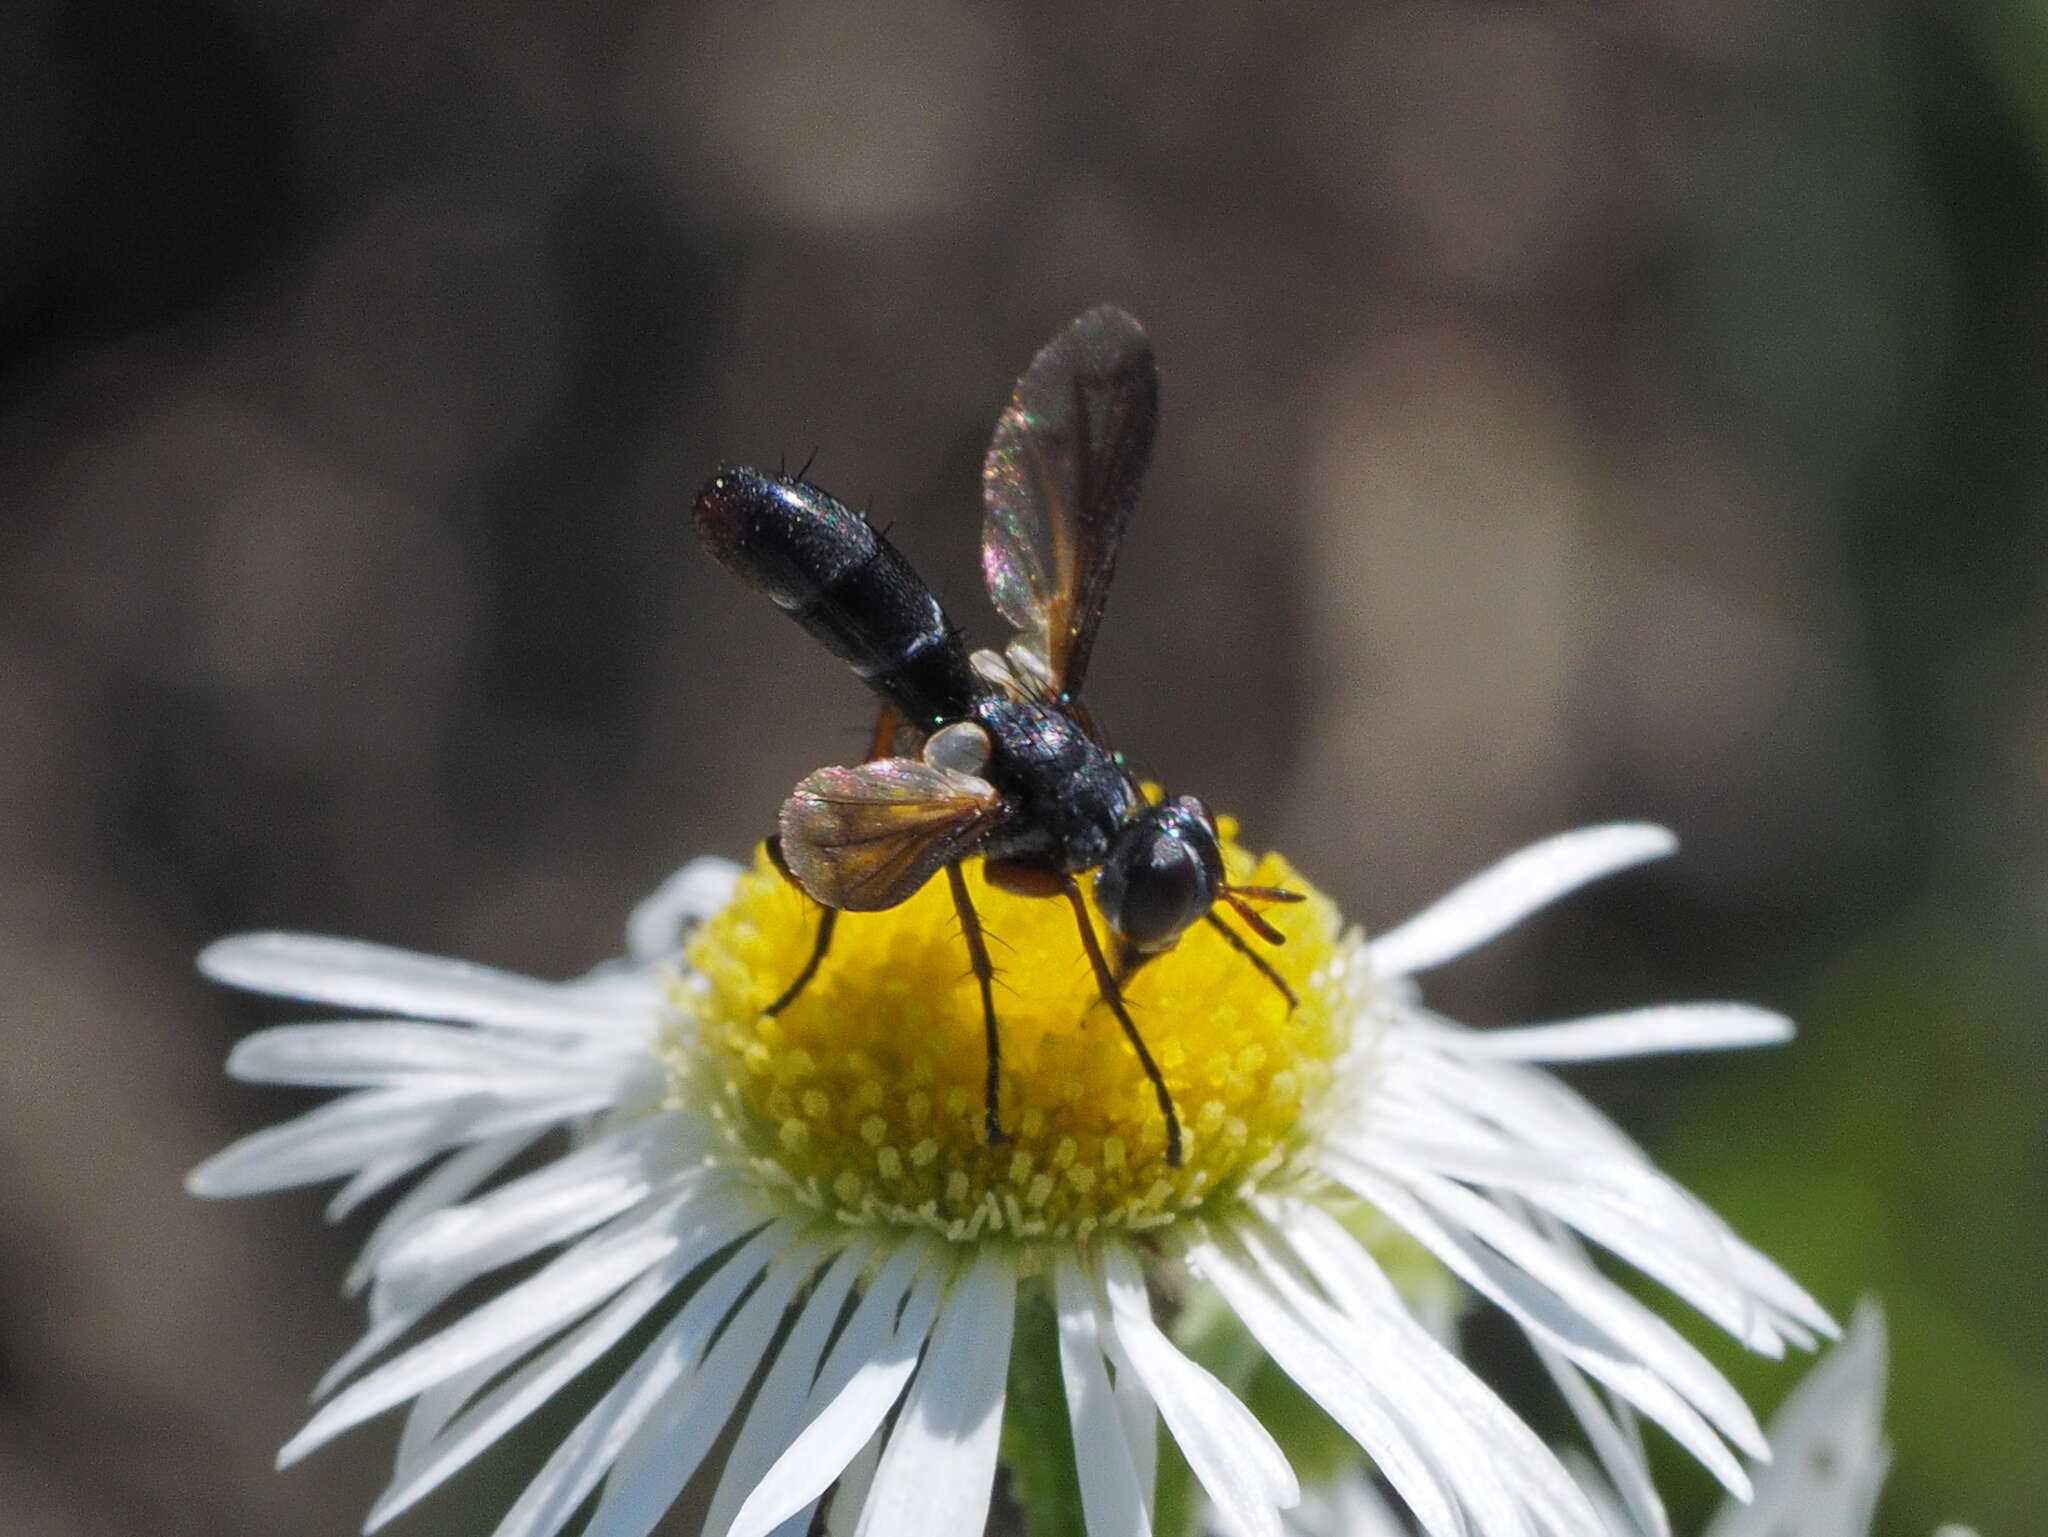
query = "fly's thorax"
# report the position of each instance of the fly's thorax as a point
(1068, 795)
(864, 1099)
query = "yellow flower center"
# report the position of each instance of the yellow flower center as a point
(864, 1098)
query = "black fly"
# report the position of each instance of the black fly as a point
(1009, 764)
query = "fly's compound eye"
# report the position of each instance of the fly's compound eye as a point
(1163, 872)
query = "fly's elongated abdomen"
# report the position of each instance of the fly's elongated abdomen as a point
(840, 579)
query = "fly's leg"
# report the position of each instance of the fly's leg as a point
(879, 743)
(884, 736)
(828, 919)
(984, 976)
(1112, 994)
(1264, 967)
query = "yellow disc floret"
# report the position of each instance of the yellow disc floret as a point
(864, 1097)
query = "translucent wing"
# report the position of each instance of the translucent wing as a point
(1062, 472)
(1019, 671)
(865, 838)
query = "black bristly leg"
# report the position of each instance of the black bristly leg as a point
(1106, 983)
(879, 743)
(1265, 967)
(984, 976)
(828, 918)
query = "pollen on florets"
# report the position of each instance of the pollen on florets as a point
(864, 1098)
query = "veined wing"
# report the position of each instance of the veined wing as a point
(865, 838)
(1062, 473)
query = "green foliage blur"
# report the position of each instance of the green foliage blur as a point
(1898, 1148)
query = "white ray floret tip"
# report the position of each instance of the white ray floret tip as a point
(1501, 896)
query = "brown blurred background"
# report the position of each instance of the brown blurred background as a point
(1571, 412)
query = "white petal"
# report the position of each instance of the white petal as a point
(937, 1474)
(1596, 1326)
(1500, 897)
(370, 1180)
(427, 1417)
(370, 1125)
(1797, 1312)
(387, 1326)
(856, 1391)
(1339, 1386)
(670, 1444)
(438, 1449)
(561, 1291)
(1112, 1501)
(555, 1203)
(1609, 1320)
(1425, 1366)
(459, 1174)
(1829, 1453)
(587, 1453)
(1668, 1236)
(1610, 1194)
(366, 1053)
(375, 979)
(1536, 1137)
(1628, 1486)
(1631, 1033)
(1404, 1145)
(777, 1411)
(1236, 1461)
(697, 891)
(1615, 1520)
(1134, 1405)
(1349, 1508)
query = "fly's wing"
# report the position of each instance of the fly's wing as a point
(1018, 671)
(866, 838)
(1062, 472)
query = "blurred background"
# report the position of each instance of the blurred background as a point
(1571, 412)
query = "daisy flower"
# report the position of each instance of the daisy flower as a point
(1829, 1458)
(823, 1263)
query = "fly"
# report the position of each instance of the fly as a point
(1008, 763)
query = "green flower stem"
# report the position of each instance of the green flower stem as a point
(1038, 1444)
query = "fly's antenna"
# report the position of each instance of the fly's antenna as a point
(1241, 899)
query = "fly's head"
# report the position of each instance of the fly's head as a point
(1164, 871)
